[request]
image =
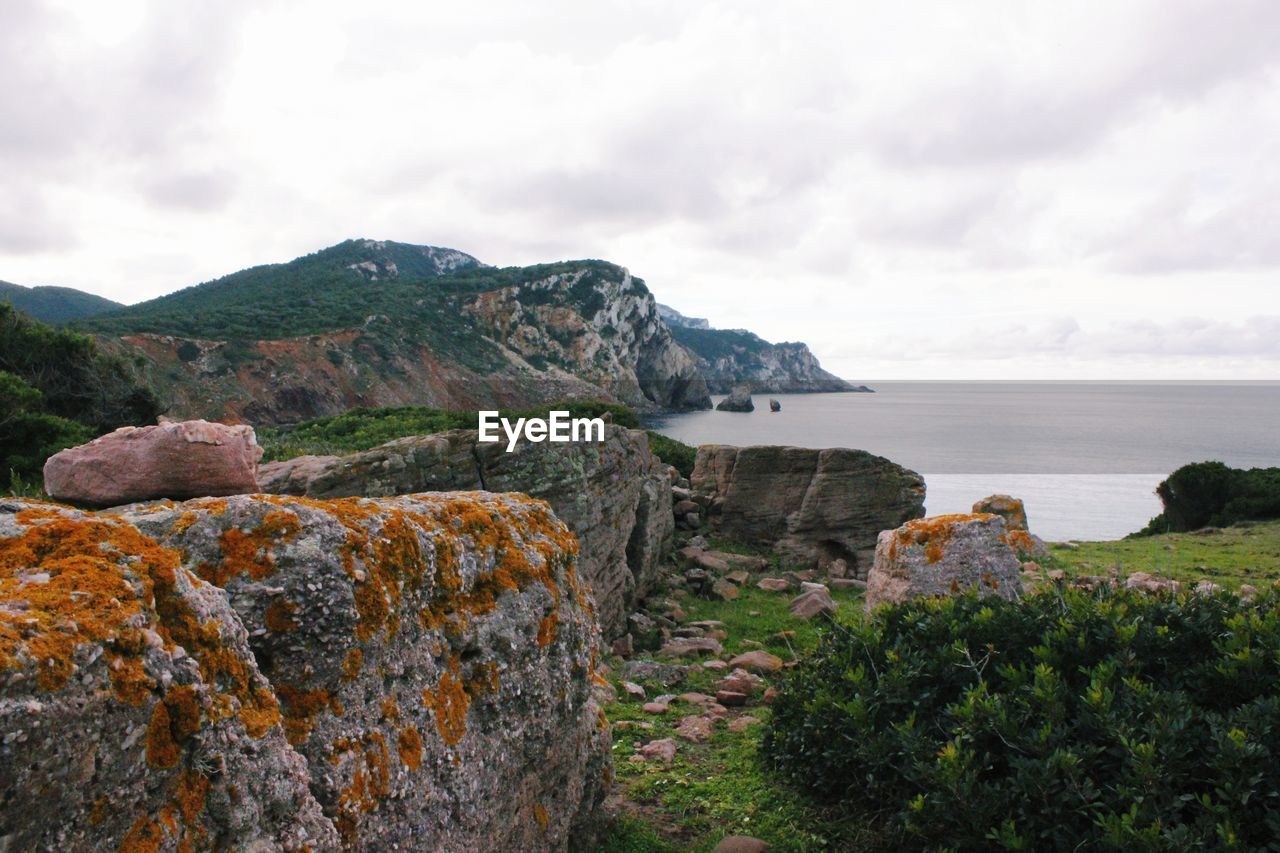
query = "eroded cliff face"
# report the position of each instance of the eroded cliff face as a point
(591, 332)
(728, 357)
(260, 672)
(614, 495)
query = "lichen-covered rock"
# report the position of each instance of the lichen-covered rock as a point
(133, 714)
(813, 506)
(433, 654)
(615, 495)
(182, 459)
(1011, 509)
(944, 555)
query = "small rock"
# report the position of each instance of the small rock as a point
(695, 698)
(715, 665)
(633, 690)
(624, 646)
(731, 698)
(654, 708)
(848, 584)
(741, 681)
(695, 728)
(685, 507)
(662, 750)
(758, 661)
(740, 577)
(666, 674)
(812, 603)
(691, 647)
(742, 723)
(773, 584)
(723, 590)
(770, 693)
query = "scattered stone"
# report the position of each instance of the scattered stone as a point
(685, 507)
(668, 675)
(723, 590)
(774, 584)
(1208, 588)
(731, 698)
(848, 584)
(739, 400)
(944, 555)
(695, 698)
(774, 405)
(654, 708)
(707, 624)
(741, 681)
(624, 646)
(739, 577)
(758, 661)
(628, 725)
(1247, 591)
(699, 542)
(688, 631)
(659, 750)
(716, 711)
(838, 568)
(813, 602)
(695, 728)
(742, 723)
(770, 693)
(691, 647)
(784, 636)
(741, 844)
(1145, 582)
(633, 690)
(644, 631)
(715, 665)
(174, 459)
(751, 644)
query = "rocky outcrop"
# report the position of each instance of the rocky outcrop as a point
(674, 318)
(614, 495)
(412, 672)
(812, 506)
(171, 460)
(1027, 545)
(739, 400)
(944, 555)
(731, 356)
(134, 713)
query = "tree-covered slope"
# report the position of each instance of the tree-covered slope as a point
(55, 304)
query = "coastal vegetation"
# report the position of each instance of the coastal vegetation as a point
(1102, 719)
(1212, 494)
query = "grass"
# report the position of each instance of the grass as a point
(719, 788)
(1230, 556)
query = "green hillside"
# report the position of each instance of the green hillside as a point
(713, 344)
(55, 304)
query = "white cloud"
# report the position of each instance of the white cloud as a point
(915, 195)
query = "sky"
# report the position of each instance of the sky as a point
(927, 190)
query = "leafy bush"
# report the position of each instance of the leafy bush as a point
(1207, 494)
(58, 390)
(677, 454)
(363, 429)
(1071, 720)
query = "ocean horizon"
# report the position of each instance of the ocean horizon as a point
(1085, 456)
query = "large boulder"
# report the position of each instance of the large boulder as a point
(812, 506)
(615, 495)
(182, 459)
(944, 555)
(1011, 509)
(263, 673)
(134, 714)
(739, 400)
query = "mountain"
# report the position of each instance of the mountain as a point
(730, 356)
(377, 323)
(674, 318)
(54, 304)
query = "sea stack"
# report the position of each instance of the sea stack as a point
(774, 405)
(739, 400)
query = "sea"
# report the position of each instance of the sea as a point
(1085, 457)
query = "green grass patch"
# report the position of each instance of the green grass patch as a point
(1245, 553)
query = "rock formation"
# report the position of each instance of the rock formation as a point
(944, 555)
(1026, 544)
(774, 405)
(615, 495)
(739, 400)
(730, 356)
(171, 460)
(412, 672)
(813, 506)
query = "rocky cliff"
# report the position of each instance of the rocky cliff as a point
(813, 506)
(614, 495)
(262, 673)
(728, 357)
(372, 323)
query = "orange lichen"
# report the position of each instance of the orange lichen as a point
(540, 815)
(390, 710)
(145, 836)
(184, 711)
(129, 679)
(98, 813)
(249, 553)
(352, 663)
(448, 704)
(933, 532)
(547, 628)
(410, 747)
(370, 783)
(193, 791)
(484, 679)
(300, 710)
(162, 749)
(278, 616)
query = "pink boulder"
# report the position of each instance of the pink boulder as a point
(183, 459)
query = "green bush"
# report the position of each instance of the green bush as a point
(1207, 494)
(363, 429)
(677, 454)
(1068, 721)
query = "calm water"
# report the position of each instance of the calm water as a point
(1085, 457)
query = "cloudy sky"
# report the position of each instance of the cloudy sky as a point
(919, 190)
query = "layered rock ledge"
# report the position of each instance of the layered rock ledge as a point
(274, 673)
(614, 495)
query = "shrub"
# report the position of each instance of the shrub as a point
(1071, 720)
(677, 454)
(1211, 493)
